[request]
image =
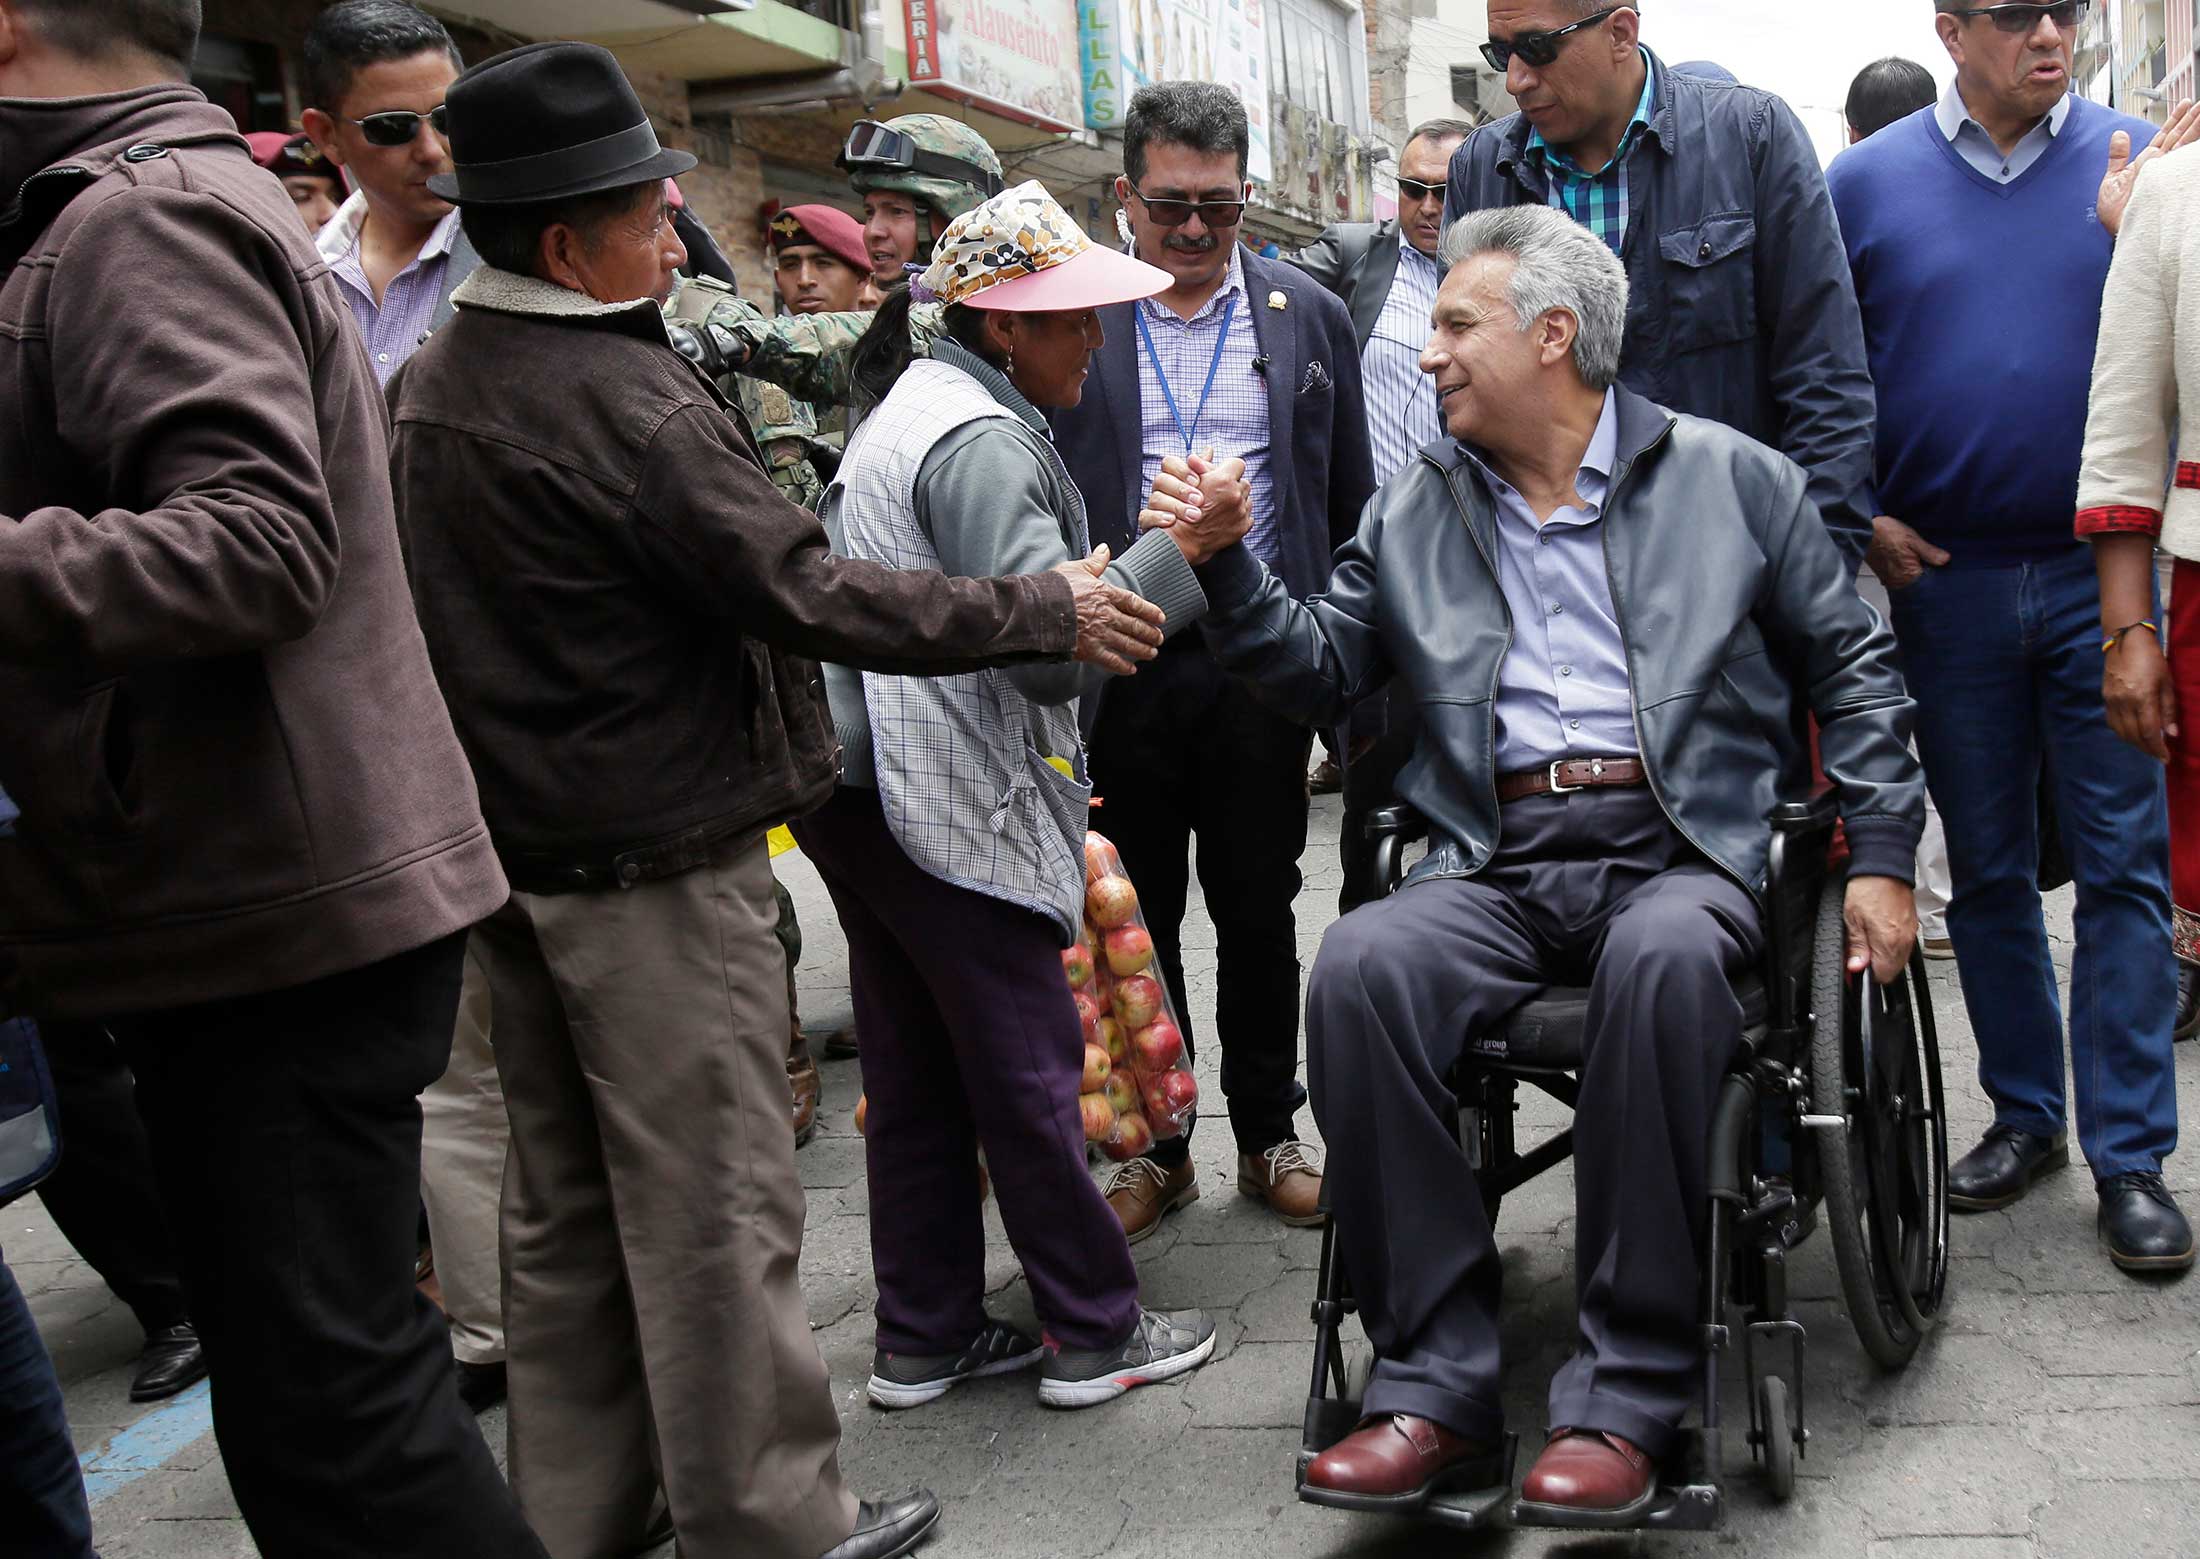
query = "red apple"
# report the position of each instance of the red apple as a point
(1129, 1137)
(1099, 1115)
(1130, 949)
(1100, 858)
(1097, 1067)
(1158, 1046)
(863, 1108)
(1114, 1041)
(1088, 1013)
(1122, 1091)
(1153, 1097)
(1137, 1002)
(1077, 965)
(1111, 901)
(1181, 1089)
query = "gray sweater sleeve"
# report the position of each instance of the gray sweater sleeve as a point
(982, 496)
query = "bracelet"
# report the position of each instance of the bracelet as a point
(2117, 637)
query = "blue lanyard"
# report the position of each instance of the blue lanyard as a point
(1222, 342)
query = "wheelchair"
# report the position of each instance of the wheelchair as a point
(1837, 1076)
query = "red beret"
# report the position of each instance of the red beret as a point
(285, 153)
(837, 233)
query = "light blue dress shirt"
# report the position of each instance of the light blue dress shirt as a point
(1977, 148)
(1562, 689)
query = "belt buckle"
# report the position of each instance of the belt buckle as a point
(1558, 789)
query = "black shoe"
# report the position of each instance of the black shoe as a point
(480, 1386)
(2188, 1002)
(2002, 1168)
(889, 1528)
(171, 1361)
(911, 1380)
(2141, 1226)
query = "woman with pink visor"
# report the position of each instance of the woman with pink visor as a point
(954, 848)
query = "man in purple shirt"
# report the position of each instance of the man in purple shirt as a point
(377, 71)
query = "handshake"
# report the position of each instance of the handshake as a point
(1203, 503)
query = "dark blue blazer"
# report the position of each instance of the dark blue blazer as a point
(1317, 431)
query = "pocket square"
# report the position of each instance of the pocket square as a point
(1317, 378)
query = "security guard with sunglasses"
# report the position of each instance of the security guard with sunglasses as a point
(1741, 308)
(945, 165)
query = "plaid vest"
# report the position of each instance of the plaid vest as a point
(961, 761)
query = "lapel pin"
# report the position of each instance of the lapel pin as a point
(1277, 301)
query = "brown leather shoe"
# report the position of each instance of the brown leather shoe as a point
(1141, 1192)
(1395, 1462)
(838, 1044)
(1288, 1179)
(802, 1083)
(1588, 1478)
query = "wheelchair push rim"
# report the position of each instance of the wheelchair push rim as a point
(1876, 1064)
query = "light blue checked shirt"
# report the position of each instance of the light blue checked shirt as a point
(1402, 414)
(1562, 689)
(1598, 201)
(1977, 148)
(1235, 421)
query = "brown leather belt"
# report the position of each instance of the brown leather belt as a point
(1555, 779)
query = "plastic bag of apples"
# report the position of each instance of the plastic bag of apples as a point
(1138, 1083)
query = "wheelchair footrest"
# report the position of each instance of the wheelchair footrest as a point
(1683, 1507)
(1462, 1509)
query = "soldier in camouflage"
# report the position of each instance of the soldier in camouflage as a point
(820, 264)
(947, 168)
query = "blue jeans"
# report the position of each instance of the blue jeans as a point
(2005, 665)
(41, 1490)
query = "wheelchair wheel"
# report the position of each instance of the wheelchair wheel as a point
(1779, 1432)
(1875, 1060)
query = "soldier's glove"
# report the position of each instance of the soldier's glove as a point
(711, 347)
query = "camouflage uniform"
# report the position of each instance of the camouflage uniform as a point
(808, 355)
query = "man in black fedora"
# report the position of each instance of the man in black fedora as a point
(618, 601)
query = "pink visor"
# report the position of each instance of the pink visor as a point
(1088, 280)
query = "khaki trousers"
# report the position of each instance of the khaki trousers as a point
(464, 1134)
(653, 1223)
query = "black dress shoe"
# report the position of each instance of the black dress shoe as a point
(889, 1528)
(2188, 1002)
(2002, 1168)
(2141, 1225)
(171, 1361)
(480, 1386)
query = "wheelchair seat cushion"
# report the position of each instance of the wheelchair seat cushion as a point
(1544, 1033)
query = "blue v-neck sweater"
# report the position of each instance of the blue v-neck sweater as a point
(1981, 304)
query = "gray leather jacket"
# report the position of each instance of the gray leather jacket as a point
(1739, 615)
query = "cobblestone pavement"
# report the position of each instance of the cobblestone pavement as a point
(2057, 1413)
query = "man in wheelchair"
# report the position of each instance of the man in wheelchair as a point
(1613, 621)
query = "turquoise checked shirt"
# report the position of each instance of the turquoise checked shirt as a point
(1598, 201)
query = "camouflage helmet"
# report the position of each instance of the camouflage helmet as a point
(941, 190)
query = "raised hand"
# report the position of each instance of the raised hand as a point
(1115, 628)
(2124, 169)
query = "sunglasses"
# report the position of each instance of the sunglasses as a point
(1540, 48)
(2021, 19)
(1175, 213)
(1414, 189)
(397, 126)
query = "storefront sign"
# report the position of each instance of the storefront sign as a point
(1017, 58)
(1127, 44)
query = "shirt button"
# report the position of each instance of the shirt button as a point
(1558, 611)
(381, 357)
(1544, 540)
(1573, 725)
(1565, 671)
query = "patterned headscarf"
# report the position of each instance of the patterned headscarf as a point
(1019, 232)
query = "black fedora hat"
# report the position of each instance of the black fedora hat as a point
(547, 121)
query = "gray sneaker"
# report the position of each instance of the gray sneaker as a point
(1164, 1344)
(910, 1380)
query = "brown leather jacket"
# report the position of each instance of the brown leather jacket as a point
(216, 711)
(623, 610)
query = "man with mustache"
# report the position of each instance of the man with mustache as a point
(1249, 358)
(1711, 195)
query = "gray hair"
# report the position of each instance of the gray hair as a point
(1557, 264)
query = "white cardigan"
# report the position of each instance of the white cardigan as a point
(2149, 352)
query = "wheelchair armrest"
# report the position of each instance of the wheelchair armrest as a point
(1819, 811)
(1389, 831)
